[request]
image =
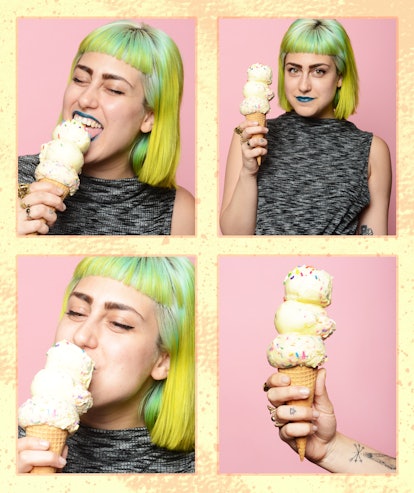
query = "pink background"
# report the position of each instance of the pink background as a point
(41, 283)
(46, 48)
(361, 366)
(246, 41)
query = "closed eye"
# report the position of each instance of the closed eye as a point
(73, 314)
(122, 326)
(115, 91)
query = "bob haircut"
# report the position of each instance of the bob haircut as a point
(155, 155)
(323, 37)
(168, 407)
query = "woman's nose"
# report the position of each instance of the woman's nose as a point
(304, 83)
(86, 335)
(88, 98)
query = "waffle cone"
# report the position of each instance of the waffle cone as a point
(58, 184)
(261, 119)
(55, 436)
(302, 376)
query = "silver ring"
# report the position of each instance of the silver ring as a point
(28, 212)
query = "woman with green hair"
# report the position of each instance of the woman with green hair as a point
(134, 317)
(125, 87)
(320, 174)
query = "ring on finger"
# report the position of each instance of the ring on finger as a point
(23, 205)
(273, 417)
(238, 130)
(28, 212)
(23, 190)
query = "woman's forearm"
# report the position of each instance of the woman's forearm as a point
(350, 456)
(239, 216)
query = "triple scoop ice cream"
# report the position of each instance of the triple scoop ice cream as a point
(61, 159)
(59, 397)
(303, 324)
(257, 95)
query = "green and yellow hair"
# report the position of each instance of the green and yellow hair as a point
(168, 407)
(155, 155)
(323, 37)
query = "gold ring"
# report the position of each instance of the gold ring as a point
(238, 130)
(23, 189)
(273, 417)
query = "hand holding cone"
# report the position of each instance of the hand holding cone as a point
(61, 159)
(257, 95)
(303, 324)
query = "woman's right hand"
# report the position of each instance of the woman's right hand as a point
(252, 147)
(36, 211)
(34, 451)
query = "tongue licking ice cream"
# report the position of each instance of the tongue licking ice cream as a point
(257, 95)
(302, 324)
(59, 397)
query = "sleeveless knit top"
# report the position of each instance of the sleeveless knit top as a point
(109, 207)
(314, 179)
(93, 450)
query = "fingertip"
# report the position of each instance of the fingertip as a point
(58, 191)
(62, 462)
(285, 379)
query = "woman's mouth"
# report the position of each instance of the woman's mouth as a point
(304, 99)
(91, 124)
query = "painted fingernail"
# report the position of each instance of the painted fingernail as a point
(304, 391)
(44, 443)
(316, 413)
(285, 379)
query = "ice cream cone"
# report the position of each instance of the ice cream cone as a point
(304, 377)
(261, 119)
(61, 186)
(55, 436)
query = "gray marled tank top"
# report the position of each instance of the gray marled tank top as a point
(314, 179)
(121, 451)
(109, 207)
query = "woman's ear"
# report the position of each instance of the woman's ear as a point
(339, 83)
(147, 122)
(161, 367)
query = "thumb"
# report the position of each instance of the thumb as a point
(321, 399)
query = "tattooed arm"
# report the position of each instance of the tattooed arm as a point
(349, 456)
(374, 219)
(326, 447)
